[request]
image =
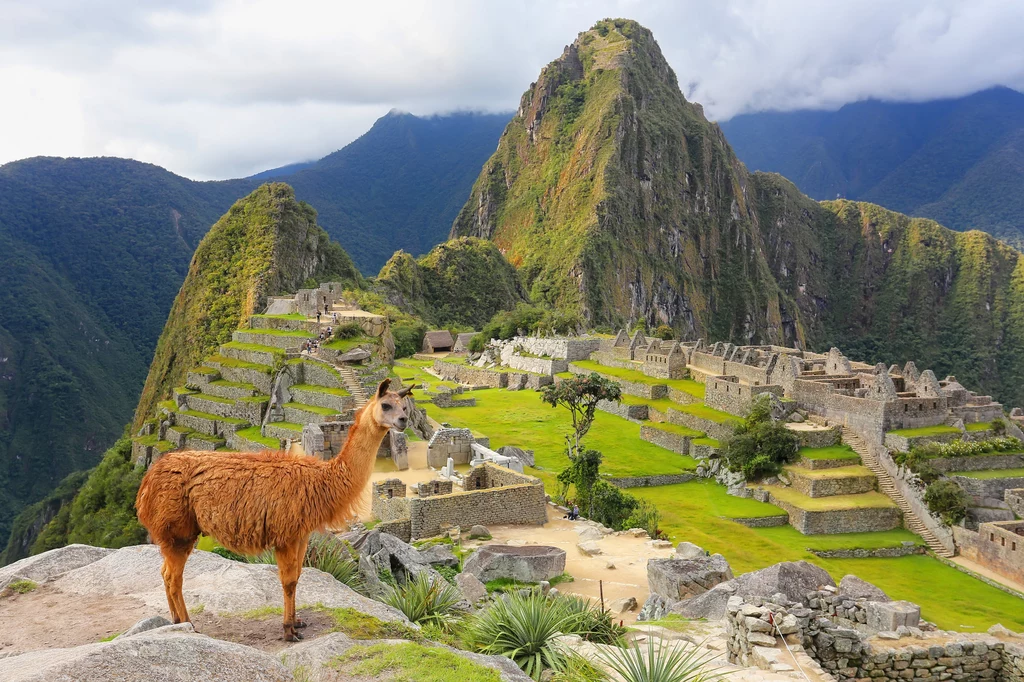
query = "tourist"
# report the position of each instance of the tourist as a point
(334, 318)
(575, 512)
(318, 318)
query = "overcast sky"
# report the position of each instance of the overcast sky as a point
(224, 88)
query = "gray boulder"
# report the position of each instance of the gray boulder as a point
(794, 579)
(471, 588)
(892, 615)
(685, 578)
(530, 563)
(852, 587)
(479, 531)
(170, 653)
(688, 550)
(146, 624)
(524, 456)
(317, 656)
(221, 585)
(623, 605)
(392, 554)
(49, 565)
(438, 555)
(655, 608)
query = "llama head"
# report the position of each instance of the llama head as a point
(390, 408)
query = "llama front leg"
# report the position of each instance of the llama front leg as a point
(175, 555)
(289, 567)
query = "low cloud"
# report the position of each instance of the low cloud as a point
(219, 88)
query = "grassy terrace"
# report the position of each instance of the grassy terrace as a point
(872, 500)
(345, 345)
(239, 345)
(253, 434)
(674, 428)
(240, 364)
(321, 389)
(831, 452)
(694, 388)
(855, 471)
(925, 431)
(324, 411)
(705, 412)
(991, 473)
(978, 426)
(296, 333)
(286, 316)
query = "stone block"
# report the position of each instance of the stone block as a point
(892, 615)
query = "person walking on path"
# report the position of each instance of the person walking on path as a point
(318, 319)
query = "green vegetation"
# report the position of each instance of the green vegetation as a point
(760, 446)
(674, 428)
(324, 552)
(694, 388)
(424, 600)
(852, 471)
(705, 412)
(979, 426)
(409, 662)
(657, 663)
(917, 459)
(321, 389)
(946, 500)
(268, 243)
(460, 282)
(868, 500)
(359, 625)
(22, 586)
(993, 473)
(507, 324)
(52, 512)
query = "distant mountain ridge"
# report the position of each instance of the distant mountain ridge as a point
(958, 161)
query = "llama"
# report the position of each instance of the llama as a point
(253, 501)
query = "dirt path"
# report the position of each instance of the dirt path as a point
(991, 575)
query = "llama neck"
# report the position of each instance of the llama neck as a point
(361, 445)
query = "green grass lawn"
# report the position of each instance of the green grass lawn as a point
(992, 473)
(978, 426)
(709, 413)
(693, 512)
(286, 316)
(321, 389)
(831, 452)
(871, 500)
(345, 345)
(925, 431)
(253, 434)
(240, 345)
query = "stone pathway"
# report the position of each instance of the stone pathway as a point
(888, 487)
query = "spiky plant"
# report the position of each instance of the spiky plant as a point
(590, 622)
(424, 600)
(667, 662)
(325, 553)
(523, 628)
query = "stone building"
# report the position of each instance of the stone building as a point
(665, 360)
(462, 342)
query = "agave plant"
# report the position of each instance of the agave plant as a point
(424, 600)
(588, 621)
(523, 628)
(670, 662)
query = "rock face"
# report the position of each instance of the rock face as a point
(221, 585)
(686, 578)
(852, 587)
(688, 550)
(471, 588)
(531, 563)
(314, 655)
(387, 552)
(48, 565)
(524, 456)
(170, 653)
(794, 579)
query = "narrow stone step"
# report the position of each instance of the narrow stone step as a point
(252, 353)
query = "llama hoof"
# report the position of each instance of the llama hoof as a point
(292, 637)
(300, 623)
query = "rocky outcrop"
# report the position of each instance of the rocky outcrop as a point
(530, 563)
(49, 565)
(686, 578)
(852, 587)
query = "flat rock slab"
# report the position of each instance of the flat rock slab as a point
(221, 585)
(530, 563)
(795, 579)
(169, 653)
(686, 578)
(48, 565)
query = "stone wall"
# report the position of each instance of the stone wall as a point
(610, 359)
(691, 421)
(682, 397)
(1015, 501)
(447, 442)
(537, 365)
(905, 549)
(946, 465)
(473, 376)
(997, 546)
(448, 399)
(863, 416)
(987, 492)
(895, 441)
(400, 528)
(558, 349)
(750, 374)
(836, 646)
(725, 393)
(639, 389)
(818, 438)
(624, 410)
(858, 520)
(712, 364)
(762, 521)
(827, 487)
(650, 481)
(670, 441)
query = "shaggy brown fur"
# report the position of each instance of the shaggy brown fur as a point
(252, 501)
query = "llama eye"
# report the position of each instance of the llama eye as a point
(385, 407)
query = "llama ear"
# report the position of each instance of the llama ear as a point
(406, 391)
(383, 388)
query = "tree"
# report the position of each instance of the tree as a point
(760, 446)
(664, 332)
(580, 395)
(946, 500)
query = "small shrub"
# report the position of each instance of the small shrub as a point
(424, 600)
(645, 516)
(522, 628)
(576, 668)
(228, 554)
(946, 500)
(611, 506)
(664, 332)
(590, 622)
(22, 586)
(759, 446)
(998, 427)
(448, 572)
(348, 330)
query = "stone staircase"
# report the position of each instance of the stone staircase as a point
(887, 486)
(352, 383)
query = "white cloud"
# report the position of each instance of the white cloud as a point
(222, 88)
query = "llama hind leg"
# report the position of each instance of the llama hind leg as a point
(289, 567)
(175, 555)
